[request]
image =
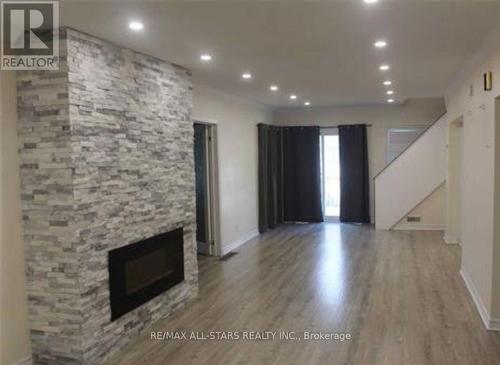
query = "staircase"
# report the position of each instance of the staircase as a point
(412, 176)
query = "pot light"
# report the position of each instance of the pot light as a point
(246, 75)
(136, 26)
(206, 57)
(273, 88)
(384, 67)
(387, 83)
(307, 103)
(380, 44)
(390, 100)
(370, 1)
(390, 92)
(293, 97)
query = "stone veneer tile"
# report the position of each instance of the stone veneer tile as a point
(106, 149)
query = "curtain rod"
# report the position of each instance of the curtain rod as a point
(321, 126)
(345, 125)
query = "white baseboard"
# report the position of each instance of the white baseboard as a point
(419, 227)
(410, 227)
(26, 361)
(239, 242)
(492, 324)
(451, 240)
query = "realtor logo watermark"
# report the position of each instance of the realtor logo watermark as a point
(30, 39)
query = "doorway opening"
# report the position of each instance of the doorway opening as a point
(205, 166)
(330, 173)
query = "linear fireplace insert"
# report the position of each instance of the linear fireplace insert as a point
(140, 271)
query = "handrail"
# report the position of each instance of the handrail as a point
(411, 144)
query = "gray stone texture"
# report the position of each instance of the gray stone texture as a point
(106, 149)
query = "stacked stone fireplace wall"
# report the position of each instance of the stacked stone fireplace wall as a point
(106, 147)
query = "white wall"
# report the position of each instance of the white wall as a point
(415, 112)
(237, 121)
(495, 311)
(412, 177)
(480, 231)
(431, 212)
(14, 338)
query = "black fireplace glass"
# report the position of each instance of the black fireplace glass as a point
(143, 270)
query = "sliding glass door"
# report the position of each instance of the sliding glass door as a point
(330, 173)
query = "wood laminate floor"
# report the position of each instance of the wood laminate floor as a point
(399, 295)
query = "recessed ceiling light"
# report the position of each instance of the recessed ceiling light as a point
(206, 57)
(370, 1)
(273, 88)
(246, 75)
(384, 67)
(307, 103)
(390, 100)
(389, 92)
(136, 26)
(380, 44)
(293, 96)
(387, 83)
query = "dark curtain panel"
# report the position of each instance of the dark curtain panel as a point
(354, 180)
(301, 175)
(270, 177)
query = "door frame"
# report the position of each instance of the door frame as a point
(454, 181)
(330, 131)
(212, 183)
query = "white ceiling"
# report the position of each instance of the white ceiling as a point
(322, 51)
